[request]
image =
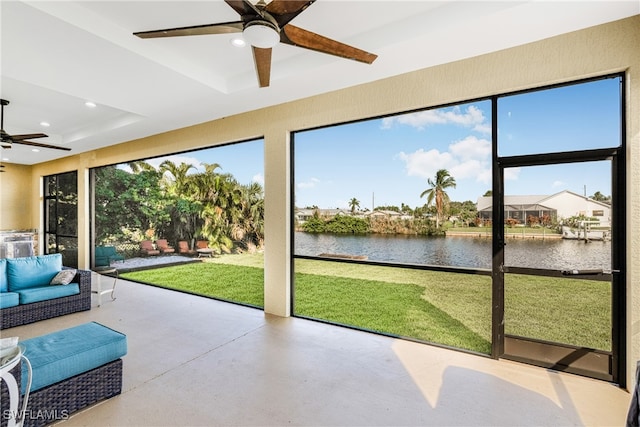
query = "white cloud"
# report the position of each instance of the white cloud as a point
(471, 148)
(484, 128)
(425, 164)
(469, 158)
(557, 184)
(471, 169)
(511, 174)
(472, 117)
(259, 178)
(177, 160)
(312, 183)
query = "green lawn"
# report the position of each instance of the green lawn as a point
(445, 308)
(224, 281)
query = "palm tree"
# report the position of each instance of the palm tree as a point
(354, 203)
(140, 166)
(184, 211)
(437, 194)
(178, 172)
(204, 186)
(249, 226)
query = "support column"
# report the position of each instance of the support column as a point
(277, 224)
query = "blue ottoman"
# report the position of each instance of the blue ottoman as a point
(72, 369)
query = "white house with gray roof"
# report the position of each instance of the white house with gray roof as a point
(559, 206)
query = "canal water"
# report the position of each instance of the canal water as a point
(459, 251)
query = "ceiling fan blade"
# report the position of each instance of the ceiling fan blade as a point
(18, 138)
(196, 30)
(243, 7)
(303, 38)
(285, 10)
(37, 144)
(262, 59)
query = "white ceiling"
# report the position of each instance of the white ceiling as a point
(55, 55)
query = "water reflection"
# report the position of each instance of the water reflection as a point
(472, 252)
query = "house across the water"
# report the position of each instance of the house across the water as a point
(555, 207)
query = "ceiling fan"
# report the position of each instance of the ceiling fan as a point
(264, 25)
(8, 140)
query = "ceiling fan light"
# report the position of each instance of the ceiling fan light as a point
(238, 42)
(261, 34)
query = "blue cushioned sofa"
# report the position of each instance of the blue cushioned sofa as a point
(26, 295)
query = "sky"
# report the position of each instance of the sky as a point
(387, 161)
(244, 160)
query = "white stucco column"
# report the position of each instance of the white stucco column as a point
(277, 224)
(84, 216)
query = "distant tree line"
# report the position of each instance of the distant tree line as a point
(418, 220)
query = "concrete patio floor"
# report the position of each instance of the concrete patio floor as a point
(196, 361)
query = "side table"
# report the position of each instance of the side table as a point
(205, 252)
(104, 271)
(10, 375)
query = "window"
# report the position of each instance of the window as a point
(382, 193)
(61, 216)
(180, 221)
(395, 226)
(566, 118)
(561, 304)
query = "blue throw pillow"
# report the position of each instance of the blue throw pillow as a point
(28, 272)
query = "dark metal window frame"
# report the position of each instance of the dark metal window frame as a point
(614, 368)
(92, 190)
(47, 214)
(618, 276)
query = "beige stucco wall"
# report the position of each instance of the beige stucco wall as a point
(16, 198)
(595, 51)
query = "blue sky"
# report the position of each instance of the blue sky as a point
(387, 161)
(244, 160)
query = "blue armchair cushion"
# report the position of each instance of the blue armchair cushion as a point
(104, 255)
(31, 272)
(9, 299)
(43, 293)
(60, 355)
(4, 284)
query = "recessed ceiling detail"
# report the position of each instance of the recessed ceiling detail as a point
(263, 26)
(86, 51)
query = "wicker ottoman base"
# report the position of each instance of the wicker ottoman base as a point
(59, 401)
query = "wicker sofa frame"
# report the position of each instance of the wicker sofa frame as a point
(28, 313)
(59, 401)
